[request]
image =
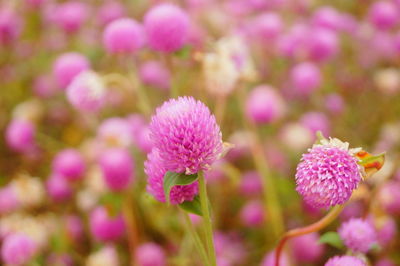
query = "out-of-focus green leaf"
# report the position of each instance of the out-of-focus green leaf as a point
(193, 206)
(172, 179)
(333, 239)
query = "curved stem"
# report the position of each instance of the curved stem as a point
(325, 221)
(206, 219)
(199, 245)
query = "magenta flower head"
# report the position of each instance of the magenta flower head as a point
(167, 27)
(118, 168)
(267, 27)
(186, 135)
(269, 259)
(306, 248)
(20, 135)
(389, 197)
(322, 44)
(264, 105)
(150, 254)
(251, 184)
(10, 26)
(386, 230)
(155, 170)
(115, 131)
(58, 188)
(123, 35)
(154, 74)
(328, 173)
(70, 164)
(8, 200)
(252, 214)
(71, 15)
(327, 17)
(345, 261)
(109, 11)
(334, 103)
(17, 249)
(105, 227)
(68, 66)
(316, 121)
(305, 78)
(384, 14)
(358, 235)
(86, 92)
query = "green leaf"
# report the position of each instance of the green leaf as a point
(172, 179)
(331, 238)
(193, 206)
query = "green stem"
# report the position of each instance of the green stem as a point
(199, 245)
(324, 222)
(206, 219)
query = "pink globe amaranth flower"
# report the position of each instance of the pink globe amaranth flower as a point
(358, 235)
(115, 131)
(154, 74)
(8, 200)
(292, 43)
(316, 121)
(252, 214)
(250, 184)
(327, 17)
(229, 248)
(86, 92)
(384, 14)
(117, 167)
(269, 259)
(43, 86)
(306, 248)
(20, 135)
(327, 174)
(155, 170)
(110, 11)
(389, 197)
(305, 78)
(150, 254)
(264, 105)
(105, 227)
(70, 164)
(123, 35)
(68, 66)
(353, 209)
(186, 135)
(385, 262)
(71, 15)
(322, 44)
(74, 227)
(345, 261)
(17, 249)
(58, 188)
(10, 26)
(167, 27)
(266, 27)
(143, 140)
(386, 230)
(334, 103)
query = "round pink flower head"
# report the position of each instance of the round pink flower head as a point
(386, 230)
(269, 259)
(115, 131)
(71, 15)
(17, 249)
(322, 44)
(306, 248)
(264, 105)
(86, 92)
(150, 254)
(252, 214)
(334, 103)
(305, 78)
(143, 140)
(167, 27)
(153, 73)
(155, 171)
(110, 11)
(250, 184)
(20, 135)
(327, 17)
(74, 227)
(58, 188)
(345, 261)
(8, 200)
(384, 14)
(10, 26)
(389, 197)
(123, 35)
(105, 227)
(328, 173)
(118, 168)
(186, 135)
(316, 121)
(385, 262)
(43, 86)
(267, 27)
(68, 66)
(70, 164)
(358, 235)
